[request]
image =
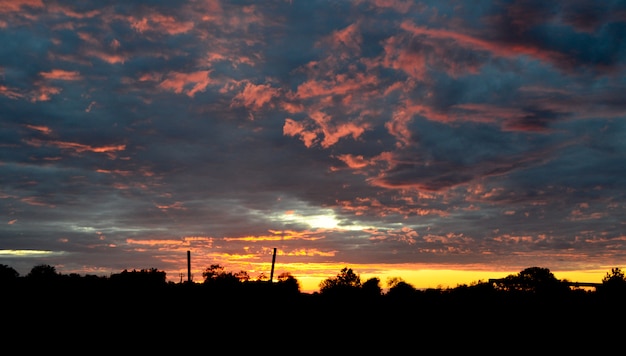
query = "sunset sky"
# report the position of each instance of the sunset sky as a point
(441, 142)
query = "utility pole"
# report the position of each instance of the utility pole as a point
(273, 261)
(188, 266)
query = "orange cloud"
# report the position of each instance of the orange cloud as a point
(36, 202)
(160, 23)
(107, 54)
(10, 93)
(255, 96)
(341, 84)
(176, 206)
(157, 242)
(44, 93)
(398, 57)
(107, 57)
(294, 128)
(398, 126)
(353, 161)
(43, 129)
(77, 147)
(499, 49)
(487, 113)
(117, 171)
(17, 5)
(332, 134)
(60, 74)
(401, 6)
(346, 42)
(178, 81)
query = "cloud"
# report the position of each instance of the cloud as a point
(60, 74)
(188, 83)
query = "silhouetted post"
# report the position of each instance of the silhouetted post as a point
(273, 261)
(188, 266)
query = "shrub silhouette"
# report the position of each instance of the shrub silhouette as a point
(345, 283)
(614, 283)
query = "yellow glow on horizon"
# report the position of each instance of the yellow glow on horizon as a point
(420, 276)
(442, 278)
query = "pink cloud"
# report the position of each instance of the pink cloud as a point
(36, 202)
(294, 128)
(67, 11)
(332, 136)
(161, 23)
(79, 147)
(44, 93)
(498, 48)
(174, 206)
(401, 6)
(398, 126)
(10, 92)
(345, 43)
(398, 57)
(354, 161)
(255, 96)
(60, 74)
(18, 5)
(96, 49)
(107, 57)
(43, 129)
(341, 84)
(178, 81)
(333, 133)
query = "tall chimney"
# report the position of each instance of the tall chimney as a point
(273, 261)
(188, 266)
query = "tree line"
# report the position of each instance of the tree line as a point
(142, 302)
(530, 282)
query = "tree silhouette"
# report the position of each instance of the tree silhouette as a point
(288, 283)
(614, 283)
(371, 287)
(399, 289)
(8, 274)
(242, 276)
(149, 278)
(215, 275)
(346, 282)
(534, 280)
(43, 273)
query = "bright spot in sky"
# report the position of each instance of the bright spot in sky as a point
(27, 253)
(324, 219)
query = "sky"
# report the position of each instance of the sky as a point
(439, 142)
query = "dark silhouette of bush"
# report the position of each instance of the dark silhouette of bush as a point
(345, 284)
(8, 275)
(43, 273)
(371, 288)
(533, 281)
(144, 278)
(287, 284)
(613, 284)
(400, 290)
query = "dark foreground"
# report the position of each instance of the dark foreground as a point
(181, 320)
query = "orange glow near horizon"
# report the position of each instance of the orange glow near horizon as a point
(310, 276)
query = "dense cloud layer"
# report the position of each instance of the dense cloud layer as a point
(484, 134)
